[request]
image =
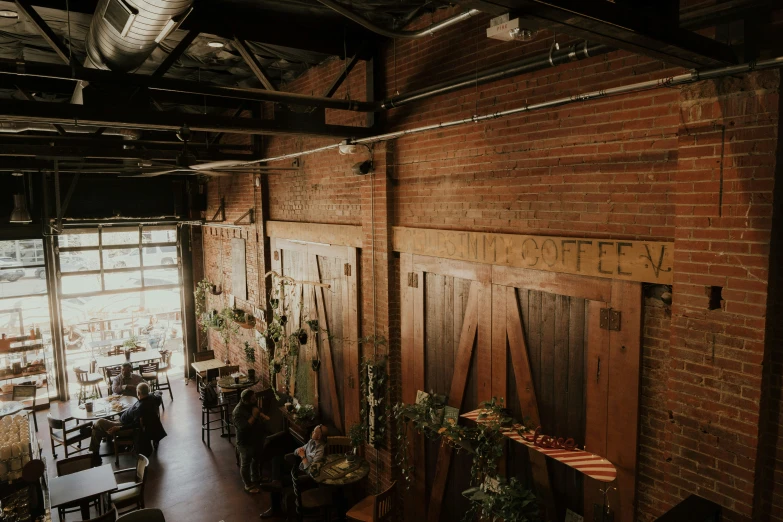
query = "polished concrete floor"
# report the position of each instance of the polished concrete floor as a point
(187, 480)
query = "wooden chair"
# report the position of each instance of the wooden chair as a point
(115, 350)
(109, 516)
(74, 465)
(123, 442)
(130, 494)
(225, 371)
(375, 508)
(143, 515)
(138, 348)
(163, 371)
(309, 503)
(26, 392)
(206, 355)
(110, 373)
(338, 445)
(61, 435)
(86, 381)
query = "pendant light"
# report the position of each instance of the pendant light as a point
(20, 213)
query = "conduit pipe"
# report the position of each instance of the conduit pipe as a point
(389, 33)
(669, 81)
(15, 128)
(552, 58)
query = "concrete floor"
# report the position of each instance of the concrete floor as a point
(186, 479)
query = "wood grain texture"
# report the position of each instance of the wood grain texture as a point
(623, 397)
(484, 343)
(451, 267)
(327, 361)
(646, 261)
(351, 346)
(406, 330)
(583, 287)
(467, 340)
(596, 390)
(499, 341)
(347, 235)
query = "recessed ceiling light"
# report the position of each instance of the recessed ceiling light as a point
(5, 13)
(216, 45)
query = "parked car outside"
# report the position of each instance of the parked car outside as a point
(160, 255)
(10, 274)
(67, 264)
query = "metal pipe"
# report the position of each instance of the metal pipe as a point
(572, 53)
(669, 81)
(390, 33)
(15, 128)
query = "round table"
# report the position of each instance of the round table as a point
(9, 407)
(102, 409)
(331, 474)
(235, 387)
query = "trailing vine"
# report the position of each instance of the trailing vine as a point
(374, 399)
(484, 440)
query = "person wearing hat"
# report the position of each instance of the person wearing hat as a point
(250, 439)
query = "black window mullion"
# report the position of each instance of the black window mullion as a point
(100, 258)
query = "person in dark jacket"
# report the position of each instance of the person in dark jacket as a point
(145, 411)
(247, 418)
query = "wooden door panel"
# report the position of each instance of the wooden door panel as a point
(331, 270)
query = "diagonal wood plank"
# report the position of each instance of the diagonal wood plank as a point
(526, 392)
(325, 344)
(456, 393)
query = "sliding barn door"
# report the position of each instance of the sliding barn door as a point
(334, 387)
(473, 331)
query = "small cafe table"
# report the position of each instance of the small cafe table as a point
(102, 408)
(337, 472)
(135, 359)
(82, 485)
(209, 364)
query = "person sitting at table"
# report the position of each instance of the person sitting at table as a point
(73, 338)
(313, 452)
(250, 438)
(126, 382)
(145, 408)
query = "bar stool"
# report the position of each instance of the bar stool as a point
(163, 371)
(218, 406)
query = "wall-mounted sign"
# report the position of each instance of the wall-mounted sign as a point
(643, 261)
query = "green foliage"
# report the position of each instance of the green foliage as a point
(509, 501)
(200, 294)
(250, 353)
(374, 391)
(305, 413)
(358, 434)
(131, 342)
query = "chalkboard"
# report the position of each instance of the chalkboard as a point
(238, 269)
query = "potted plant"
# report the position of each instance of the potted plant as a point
(88, 401)
(356, 434)
(250, 357)
(315, 364)
(301, 334)
(129, 345)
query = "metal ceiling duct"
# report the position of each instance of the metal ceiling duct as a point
(123, 33)
(16, 128)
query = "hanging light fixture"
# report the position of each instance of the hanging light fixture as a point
(20, 213)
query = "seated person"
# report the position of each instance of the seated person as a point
(247, 418)
(313, 452)
(73, 338)
(145, 408)
(126, 382)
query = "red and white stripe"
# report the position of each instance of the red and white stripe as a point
(590, 464)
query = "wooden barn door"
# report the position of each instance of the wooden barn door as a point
(335, 386)
(473, 331)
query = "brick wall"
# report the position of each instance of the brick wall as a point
(645, 166)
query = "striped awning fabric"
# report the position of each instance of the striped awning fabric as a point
(587, 463)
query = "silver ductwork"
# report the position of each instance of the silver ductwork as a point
(7, 127)
(123, 33)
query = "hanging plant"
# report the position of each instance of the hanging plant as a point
(250, 353)
(301, 334)
(374, 399)
(200, 296)
(313, 324)
(315, 364)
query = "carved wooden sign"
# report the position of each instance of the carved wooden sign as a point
(643, 261)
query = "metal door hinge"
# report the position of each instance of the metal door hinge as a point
(347, 269)
(413, 280)
(610, 319)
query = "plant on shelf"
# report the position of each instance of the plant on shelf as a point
(358, 435)
(130, 343)
(305, 414)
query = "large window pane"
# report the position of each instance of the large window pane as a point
(161, 276)
(79, 261)
(120, 236)
(80, 284)
(12, 285)
(79, 238)
(121, 258)
(160, 255)
(159, 234)
(122, 280)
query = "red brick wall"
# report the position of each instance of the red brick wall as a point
(645, 166)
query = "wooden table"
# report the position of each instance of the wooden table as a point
(330, 474)
(209, 364)
(115, 342)
(136, 358)
(101, 409)
(82, 485)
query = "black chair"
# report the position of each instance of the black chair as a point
(131, 494)
(163, 371)
(74, 465)
(27, 392)
(61, 435)
(310, 501)
(149, 372)
(216, 406)
(110, 373)
(87, 381)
